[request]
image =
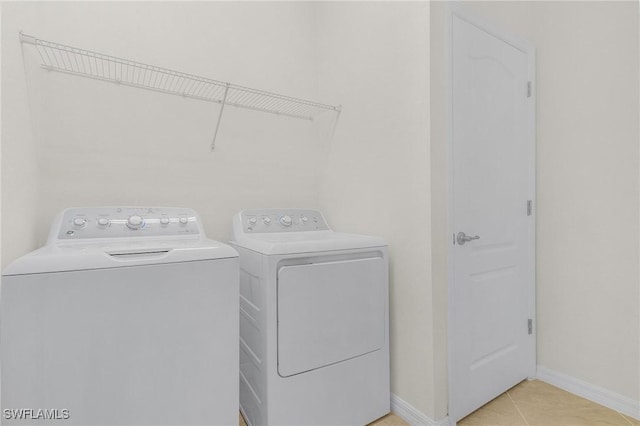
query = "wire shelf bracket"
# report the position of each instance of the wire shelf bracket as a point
(86, 63)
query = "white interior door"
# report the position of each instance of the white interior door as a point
(492, 346)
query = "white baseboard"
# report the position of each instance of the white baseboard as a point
(602, 396)
(412, 415)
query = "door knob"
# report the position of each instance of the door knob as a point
(461, 238)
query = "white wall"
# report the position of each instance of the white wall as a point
(587, 181)
(99, 143)
(588, 236)
(18, 163)
(374, 57)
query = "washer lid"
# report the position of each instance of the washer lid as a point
(306, 242)
(117, 253)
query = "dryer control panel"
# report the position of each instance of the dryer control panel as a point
(282, 220)
(114, 222)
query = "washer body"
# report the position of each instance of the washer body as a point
(126, 316)
(314, 336)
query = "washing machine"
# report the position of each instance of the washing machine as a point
(314, 335)
(127, 316)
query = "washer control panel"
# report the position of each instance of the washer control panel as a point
(282, 220)
(114, 222)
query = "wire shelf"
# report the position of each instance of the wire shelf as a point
(86, 63)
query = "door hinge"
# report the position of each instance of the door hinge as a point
(529, 207)
(530, 325)
(528, 89)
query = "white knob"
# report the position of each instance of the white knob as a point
(164, 220)
(285, 220)
(135, 222)
(252, 221)
(183, 220)
(79, 221)
(304, 220)
(103, 221)
(266, 221)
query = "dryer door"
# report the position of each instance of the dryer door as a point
(330, 312)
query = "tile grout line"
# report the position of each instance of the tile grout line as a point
(626, 419)
(518, 409)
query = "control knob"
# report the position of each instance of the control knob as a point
(79, 222)
(135, 222)
(103, 221)
(252, 221)
(286, 220)
(164, 220)
(266, 221)
(304, 220)
(183, 220)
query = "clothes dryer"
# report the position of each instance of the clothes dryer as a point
(126, 316)
(314, 336)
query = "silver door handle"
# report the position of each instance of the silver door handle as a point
(462, 238)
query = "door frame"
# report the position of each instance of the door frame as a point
(455, 9)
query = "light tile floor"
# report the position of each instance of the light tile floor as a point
(389, 420)
(533, 403)
(536, 403)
